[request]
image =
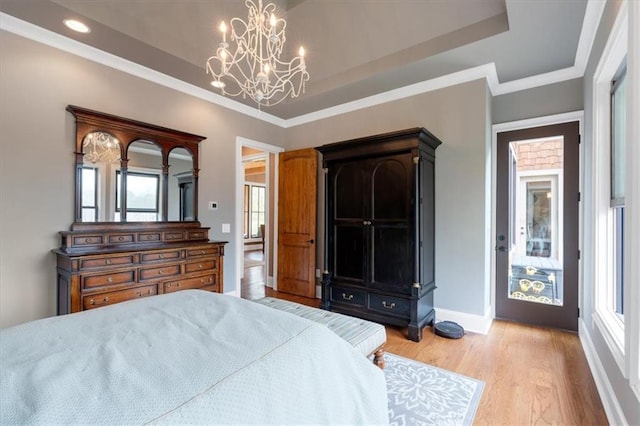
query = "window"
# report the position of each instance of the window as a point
(143, 201)
(254, 209)
(89, 194)
(611, 227)
(617, 156)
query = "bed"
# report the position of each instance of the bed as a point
(187, 357)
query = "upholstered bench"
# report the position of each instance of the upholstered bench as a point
(365, 336)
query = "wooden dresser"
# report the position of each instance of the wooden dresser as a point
(99, 265)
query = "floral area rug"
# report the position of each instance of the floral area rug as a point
(420, 394)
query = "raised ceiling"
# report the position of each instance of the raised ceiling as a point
(355, 48)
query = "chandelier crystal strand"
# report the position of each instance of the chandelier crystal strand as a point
(247, 62)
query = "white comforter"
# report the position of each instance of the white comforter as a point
(187, 357)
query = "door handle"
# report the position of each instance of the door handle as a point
(502, 248)
(310, 241)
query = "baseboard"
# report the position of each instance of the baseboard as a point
(612, 408)
(232, 293)
(470, 322)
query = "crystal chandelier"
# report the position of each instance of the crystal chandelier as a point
(251, 65)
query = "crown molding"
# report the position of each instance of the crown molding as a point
(591, 21)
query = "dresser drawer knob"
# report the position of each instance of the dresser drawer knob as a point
(120, 238)
(110, 279)
(178, 284)
(92, 302)
(202, 252)
(159, 271)
(161, 255)
(388, 306)
(345, 297)
(108, 262)
(87, 240)
(200, 266)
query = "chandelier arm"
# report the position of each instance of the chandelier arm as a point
(253, 66)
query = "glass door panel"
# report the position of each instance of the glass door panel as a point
(535, 262)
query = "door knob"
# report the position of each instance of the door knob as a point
(502, 248)
(310, 241)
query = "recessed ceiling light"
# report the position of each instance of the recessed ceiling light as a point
(76, 25)
(217, 83)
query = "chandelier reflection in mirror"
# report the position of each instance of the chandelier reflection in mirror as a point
(247, 61)
(101, 147)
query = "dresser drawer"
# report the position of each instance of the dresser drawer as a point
(390, 305)
(203, 265)
(173, 236)
(159, 272)
(88, 240)
(203, 251)
(121, 238)
(148, 237)
(197, 235)
(348, 296)
(111, 297)
(101, 262)
(190, 283)
(158, 256)
(112, 278)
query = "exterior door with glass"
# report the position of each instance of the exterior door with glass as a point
(537, 225)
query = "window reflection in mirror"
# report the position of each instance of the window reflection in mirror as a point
(181, 185)
(144, 173)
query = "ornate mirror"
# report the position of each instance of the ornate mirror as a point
(154, 167)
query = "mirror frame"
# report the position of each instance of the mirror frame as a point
(128, 131)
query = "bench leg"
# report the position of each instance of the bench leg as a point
(378, 358)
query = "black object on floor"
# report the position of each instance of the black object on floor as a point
(449, 329)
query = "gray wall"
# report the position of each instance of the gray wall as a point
(37, 82)
(458, 116)
(557, 98)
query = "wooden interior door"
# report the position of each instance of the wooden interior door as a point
(297, 189)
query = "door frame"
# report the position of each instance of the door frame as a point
(272, 210)
(524, 124)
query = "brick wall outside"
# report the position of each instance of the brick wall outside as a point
(540, 155)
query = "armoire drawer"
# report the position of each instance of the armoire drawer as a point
(190, 283)
(390, 305)
(348, 296)
(111, 297)
(203, 265)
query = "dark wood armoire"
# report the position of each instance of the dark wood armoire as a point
(380, 228)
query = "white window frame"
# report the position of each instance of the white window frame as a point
(622, 337)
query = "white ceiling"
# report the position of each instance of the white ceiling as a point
(355, 48)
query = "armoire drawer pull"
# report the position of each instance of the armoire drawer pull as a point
(110, 279)
(345, 297)
(200, 266)
(108, 262)
(159, 271)
(161, 255)
(388, 306)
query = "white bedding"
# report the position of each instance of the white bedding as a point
(186, 357)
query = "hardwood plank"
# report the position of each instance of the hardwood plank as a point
(532, 375)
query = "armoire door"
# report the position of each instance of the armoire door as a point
(348, 206)
(391, 223)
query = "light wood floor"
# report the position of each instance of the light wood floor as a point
(532, 375)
